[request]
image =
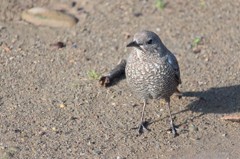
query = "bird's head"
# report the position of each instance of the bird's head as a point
(147, 41)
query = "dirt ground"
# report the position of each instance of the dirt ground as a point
(51, 108)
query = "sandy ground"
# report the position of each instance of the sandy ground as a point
(51, 108)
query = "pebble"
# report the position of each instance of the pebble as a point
(2, 27)
(97, 151)
(192, 128)
(196, 50)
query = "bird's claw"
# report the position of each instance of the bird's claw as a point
(143, 127)
(104, 81)
(173, 131)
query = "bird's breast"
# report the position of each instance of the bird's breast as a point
(150, 77)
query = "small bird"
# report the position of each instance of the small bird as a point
(152, 71)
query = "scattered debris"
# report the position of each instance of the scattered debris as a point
(196, 41)
(93, 74)
(58, 45)
(47, 17)
(54, 129)
(224, 135)
(137, 14)
(73, 4)
(196, 50)
(10, 152)
(192, 128)
(235, 118)
(127, 35)
(197, 45)
(2, 27)
(5, 47)
(160, 4)
(202, 3)
(62, 105)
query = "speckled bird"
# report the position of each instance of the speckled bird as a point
(152, 71)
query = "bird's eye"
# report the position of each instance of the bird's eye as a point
(149, 41)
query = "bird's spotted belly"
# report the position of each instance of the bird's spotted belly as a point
(150, 80)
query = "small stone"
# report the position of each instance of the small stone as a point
(189, 46)
(61, 105)
(73, 4)
(2, 27)
(97, 151)
(224, 135)
(196, 50)
(11, 152)
(192, 128)
(54, 129)
(74, 45)
(138, 14)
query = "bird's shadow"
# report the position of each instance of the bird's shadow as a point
(220, 100)
(214, 100)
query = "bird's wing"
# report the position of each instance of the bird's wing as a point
(171, 59)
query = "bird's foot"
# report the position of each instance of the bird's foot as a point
(173, 131)
(143, 127)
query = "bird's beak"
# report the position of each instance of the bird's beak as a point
(133, 44)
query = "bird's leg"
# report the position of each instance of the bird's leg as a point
(178, 93)
(171, 119)
(142, 124)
